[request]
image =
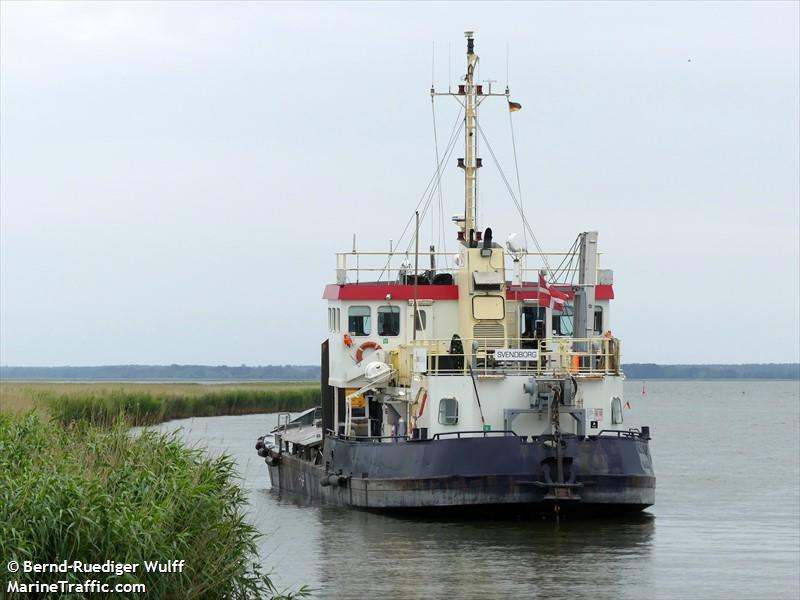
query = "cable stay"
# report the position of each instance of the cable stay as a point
(571, 256)
(442, 240)
(436, 180)
(429, 191)
(516, 166)
(517, 204)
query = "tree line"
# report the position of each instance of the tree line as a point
(745, 371)
(311, 372)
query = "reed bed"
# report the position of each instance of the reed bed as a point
(148, 404)
(88, 493)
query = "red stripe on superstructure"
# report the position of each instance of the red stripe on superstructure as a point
(531, 292)
(372, 291)
(604, 292)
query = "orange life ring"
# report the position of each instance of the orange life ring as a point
(366, 346)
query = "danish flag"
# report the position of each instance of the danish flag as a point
(550, 296)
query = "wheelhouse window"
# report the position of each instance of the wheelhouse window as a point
(333, 319)
(448, 411)
(358, 320)
(562, 324)
(388, 320)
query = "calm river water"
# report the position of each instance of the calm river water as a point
(726, 523)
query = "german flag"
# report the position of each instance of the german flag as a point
(514, 106)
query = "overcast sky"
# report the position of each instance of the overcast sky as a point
(176, 177)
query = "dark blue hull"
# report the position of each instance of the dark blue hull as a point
(604, 474)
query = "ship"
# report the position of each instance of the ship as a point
(485, 381)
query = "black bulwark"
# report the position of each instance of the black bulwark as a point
(326, 391)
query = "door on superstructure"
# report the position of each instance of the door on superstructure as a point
(532, 320)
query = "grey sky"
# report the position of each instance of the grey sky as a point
(176, 177)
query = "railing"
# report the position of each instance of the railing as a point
(390, 267)
(631, 433)
(398, 267)
(482, 357)
(376, 439)
(484, 433)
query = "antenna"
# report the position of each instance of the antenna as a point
(449, 69)
(507, 52)
(433, 62)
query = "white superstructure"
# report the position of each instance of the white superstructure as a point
(497, 343)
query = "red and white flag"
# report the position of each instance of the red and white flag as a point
(550, 296)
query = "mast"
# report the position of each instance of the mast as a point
(473, 94)
(471, 138)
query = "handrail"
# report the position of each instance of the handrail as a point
(284, 424)
(458, 434)
(632, 433)
(392, 266)
(579, 357)
(376, 438)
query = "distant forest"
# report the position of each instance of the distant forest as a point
(311, 372)
(748, 371)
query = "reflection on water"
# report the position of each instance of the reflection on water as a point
(412, 558)
(726, 521)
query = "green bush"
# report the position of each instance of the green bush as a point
(93, 494)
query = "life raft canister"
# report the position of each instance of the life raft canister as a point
(365, 346)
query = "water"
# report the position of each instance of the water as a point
(726, 523)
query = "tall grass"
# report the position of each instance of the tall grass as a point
(82, 492)
(148, 405)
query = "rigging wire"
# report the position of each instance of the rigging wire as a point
(428, 190)
(516, 168)
(436, 140)
(431, 194)
(566, 259)
(569, 257)
(442, 241)
(516, 202)
(425, 194)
